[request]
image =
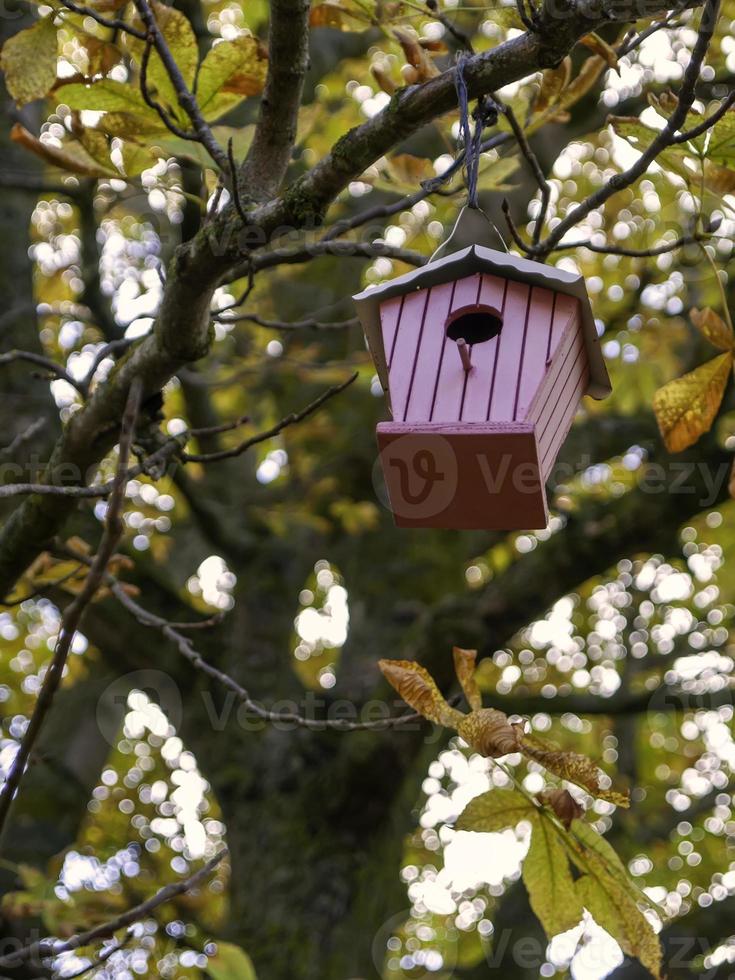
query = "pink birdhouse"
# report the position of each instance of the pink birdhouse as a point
(485, 357)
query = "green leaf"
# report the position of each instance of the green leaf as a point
(721, 144)
(596, 844)
(613, 909)
(548, 880)
(28, 60)
(181, 40)
(231, 71)
(175, 147)
(231, 963)
(106, 95)
(496, 810)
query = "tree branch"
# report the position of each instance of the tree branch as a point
(275, 132)
(74, 613)
(54, 947)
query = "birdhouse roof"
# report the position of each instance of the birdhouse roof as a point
(466, 262)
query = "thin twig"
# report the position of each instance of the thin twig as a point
(45, 362)
(113, 23)
(75, 611)
(708, 123)
(186, 98)
(665, 137)
(535, 166)
(186, 648)
(55, 947)
(286, 326)
(285, 422)
(8, 451)
(154, 104)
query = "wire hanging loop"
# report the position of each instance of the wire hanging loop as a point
(485, 113)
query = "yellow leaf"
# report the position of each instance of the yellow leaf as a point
(588, 75)
(713, 327)
(230, 962)
(548, 880)
(553, 83)
(181, 40)
(231, 71)
(417, 688)
(416, 56)
(495, 810)
(28, 60)
(464, 668)
(613, 909)
(334, 15)
(573, 767)
(595, 44)
(686, 408)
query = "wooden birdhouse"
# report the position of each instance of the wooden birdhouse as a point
(485, 357)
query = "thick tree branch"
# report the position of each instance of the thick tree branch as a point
(275, 132)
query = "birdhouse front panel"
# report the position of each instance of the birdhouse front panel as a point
(485, 358)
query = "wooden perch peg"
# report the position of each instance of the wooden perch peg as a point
(464, 354)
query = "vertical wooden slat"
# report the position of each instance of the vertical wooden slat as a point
(479, 380)
(428, 359)
(562, 417)
(405, 350)
(451, 381)
(390, 315)
(565, 307)
(509, 351)
(535, 349)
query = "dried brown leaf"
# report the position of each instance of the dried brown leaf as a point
(464, 667)
(417, 688)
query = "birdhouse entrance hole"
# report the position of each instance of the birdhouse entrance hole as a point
(475, 324)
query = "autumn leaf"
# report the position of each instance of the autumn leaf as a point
(595, 44)
(28, 60)
(230, 962)
(230, 71)
(464, 668)
(575, 768)
(686, 407)
(595, 846)
(338, 17)
(553, 83)
(616, 912)
(417, 688)
(548, 880)
(719, 179)
(713, 327)
(562, 803)
(71, 157)
(424, 68)
(489, 732)
(495, 810)
(588, 75)
(182, 43)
